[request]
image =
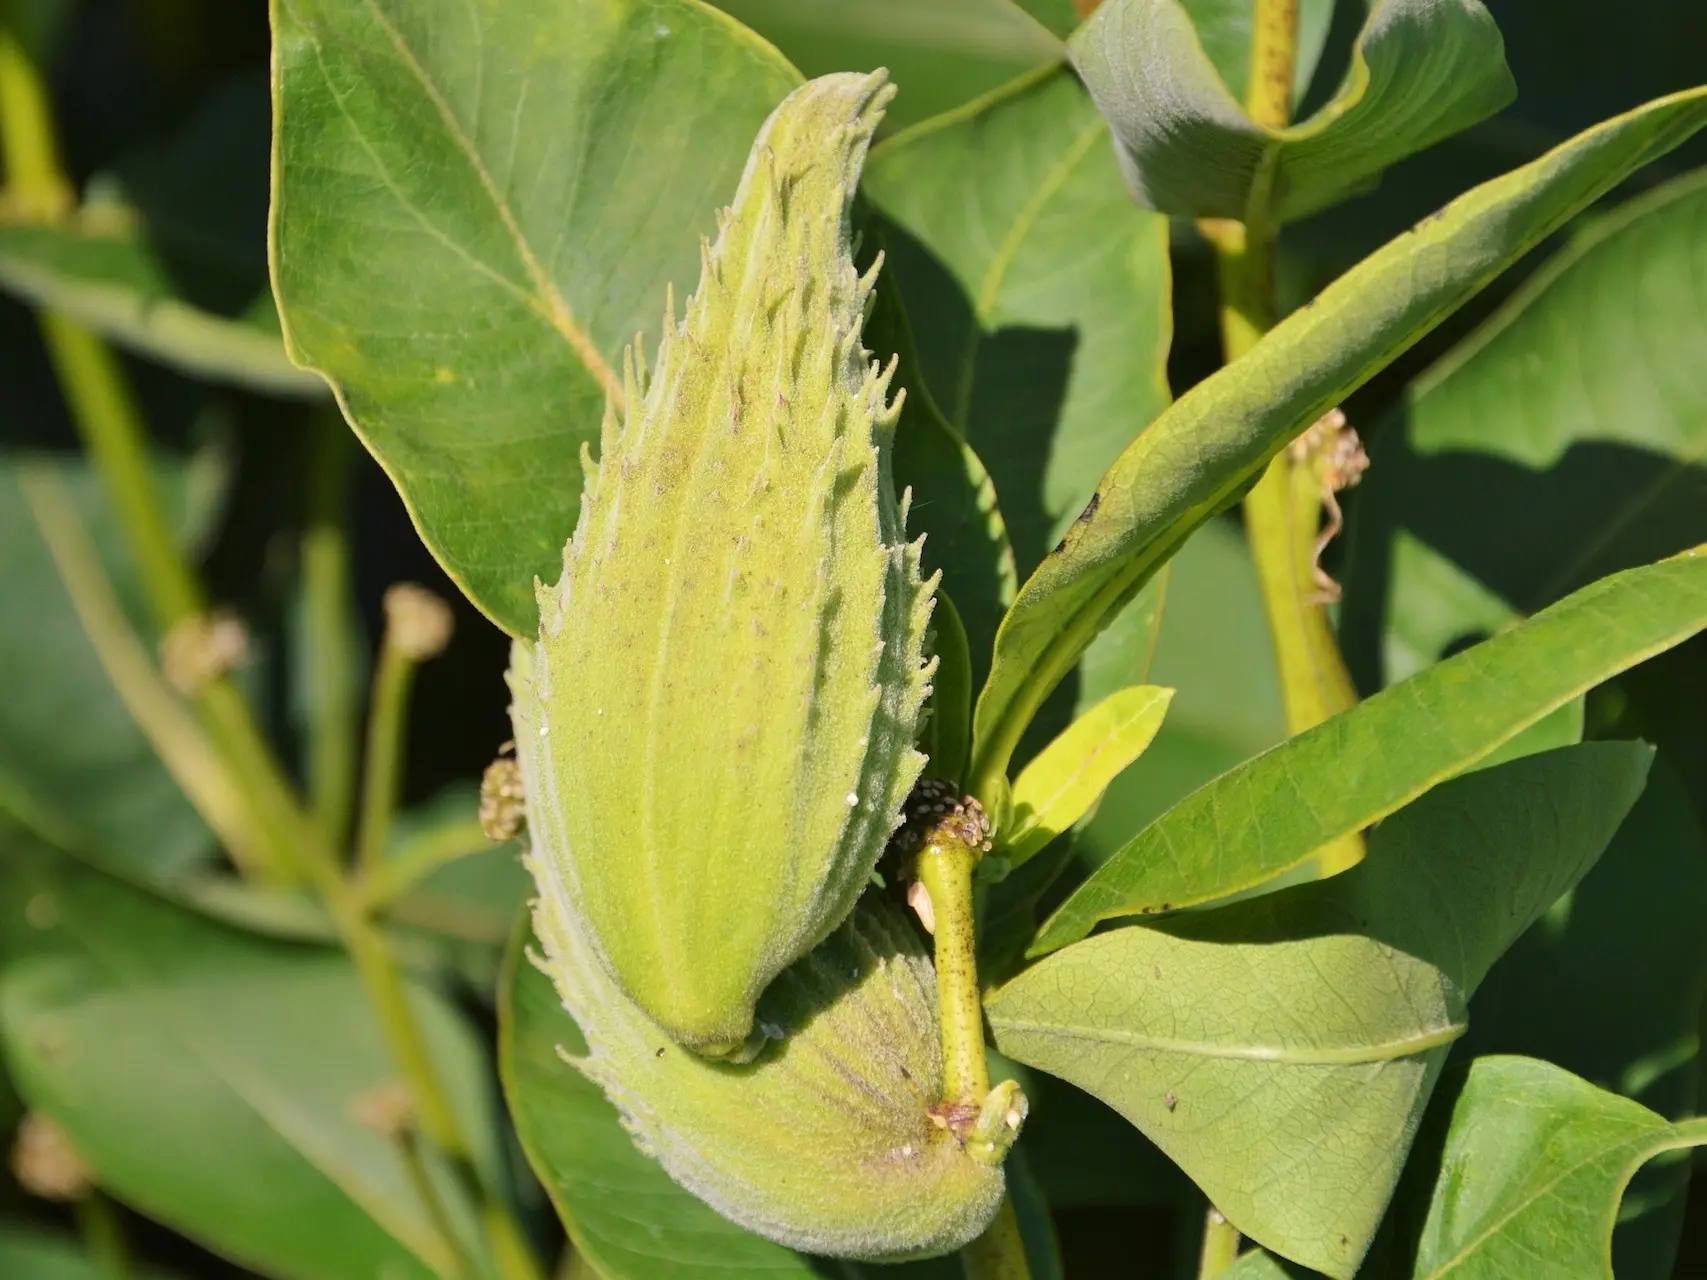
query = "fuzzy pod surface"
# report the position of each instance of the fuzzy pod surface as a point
(729, 678)
(825, 1142)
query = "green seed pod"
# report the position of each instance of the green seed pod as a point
(832, 1140)
(729, 676)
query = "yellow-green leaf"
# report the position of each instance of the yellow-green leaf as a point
(1272, 812)
(1068, 777)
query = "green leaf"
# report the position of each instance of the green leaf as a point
(1500, 484)
(476, 208)
(1198, 457)
(1236, 1038)
(953, 500)
(1058, 17)
(622, 1211)
(1273, 812)
(100, 271)
(30, 1254)
(74, 767)
(1607, 986)
(1535, 1163)
(940, 53)
(212, 1079)
(1561, 727)
(1213, 648)
(1038, 296)
(1421, 70)
(167, 256)
(1068, 776)
(947, 736)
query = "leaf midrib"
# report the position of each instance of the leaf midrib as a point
(556, 309)
(1644, 1146)
(1346, 1055)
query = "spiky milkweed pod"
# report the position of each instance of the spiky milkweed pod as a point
(826, 1142)
(729, 675)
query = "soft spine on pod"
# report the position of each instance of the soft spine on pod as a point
(730, 674)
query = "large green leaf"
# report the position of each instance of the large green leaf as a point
(1421, 70)
(1534, 1165)
(1608, 986)
(1273, 812)
(622, 1211)
(1236, 1038)
(212, 1080)
(1201, 454)
(476, 208)
(940, 53)
(74, 767)
(1038, 296)
(1560, 442)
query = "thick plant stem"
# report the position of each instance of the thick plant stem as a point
(1283, 511)
(1274, 45)
(945, 870)
(329, 658)
(945, 866)
(1220, 1245)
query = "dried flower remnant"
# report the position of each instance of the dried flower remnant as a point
(1332, 451)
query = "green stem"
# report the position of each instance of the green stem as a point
(417, 857)
(415, 1166)
(112, 431)
(35, 182)
(511, 1253)
(945, 867)
(329, 666)
(103, 1236)
(382, 764)
(389, 998)
(1220, 1245)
